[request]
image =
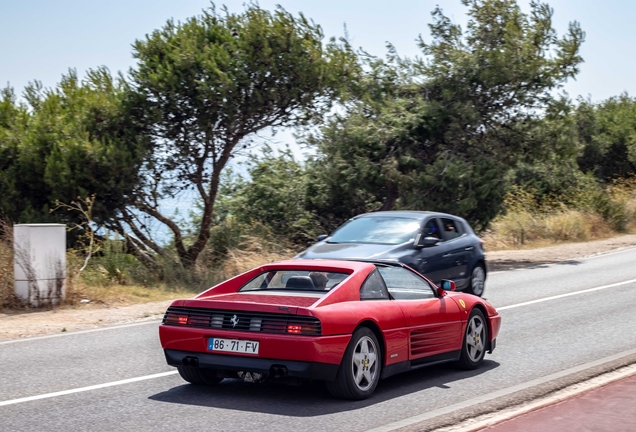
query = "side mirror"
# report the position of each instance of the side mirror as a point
(446, 285)
(428, 242)
(321, 237)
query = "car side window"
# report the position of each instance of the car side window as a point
(374, 288)
(452, 228)
(403, 284)
(431, 229)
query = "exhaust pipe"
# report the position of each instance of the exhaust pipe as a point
(278, 372)
(190, 361)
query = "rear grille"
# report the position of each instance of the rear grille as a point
(242, 321)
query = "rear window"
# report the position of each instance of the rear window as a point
(377, 229)
(294, 280)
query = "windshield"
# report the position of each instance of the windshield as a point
(294, 280)
(377, 229)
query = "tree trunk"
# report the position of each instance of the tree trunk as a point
(392, 194)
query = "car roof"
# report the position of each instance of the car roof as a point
(405, 213)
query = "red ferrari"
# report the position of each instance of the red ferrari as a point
(348, 323)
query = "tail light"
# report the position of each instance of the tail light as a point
(294, 329)
(180, 319)
(305, 329)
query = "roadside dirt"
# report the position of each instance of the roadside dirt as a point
(87, 316)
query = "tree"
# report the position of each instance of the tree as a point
(77, 139)
(211, 82)
(607, 132)
(441, 133)
(13, 118)
(274, 196)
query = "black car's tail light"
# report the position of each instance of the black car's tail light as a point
(242, 321)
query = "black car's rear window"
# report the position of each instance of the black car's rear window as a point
(377, 229)
(294, 280)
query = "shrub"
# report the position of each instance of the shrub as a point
(587, 211)
(7, 293)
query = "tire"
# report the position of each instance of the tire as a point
(195, 375)
(477, 281)
(359, 372)
(475, 341)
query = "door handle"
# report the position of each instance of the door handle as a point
(469, 248)
(447, 255)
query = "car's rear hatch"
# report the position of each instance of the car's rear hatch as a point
(256, 302)
(247, 312)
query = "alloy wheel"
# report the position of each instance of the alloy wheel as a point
(475, 338)
(478, 280)
(364, 363)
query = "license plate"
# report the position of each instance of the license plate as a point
(233, 345)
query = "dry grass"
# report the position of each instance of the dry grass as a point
(119, 295)
(526, 230)
(118, 288)
(110, 291)
(251, 253)
(7, 296)
(597, 215)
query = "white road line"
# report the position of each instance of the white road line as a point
(500, 308)
(28, 339)
(83, 389)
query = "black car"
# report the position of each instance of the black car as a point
(438, 245)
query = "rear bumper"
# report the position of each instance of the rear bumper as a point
(309, 349)
(298, 369)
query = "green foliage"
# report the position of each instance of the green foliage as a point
(13, 120)
(114, 265)
(210, 82)
(275, 196)
(442, 133)
(607, 132)
(77, 139)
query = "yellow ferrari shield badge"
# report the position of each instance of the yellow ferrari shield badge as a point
(461, 302)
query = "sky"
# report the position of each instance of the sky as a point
(41, 40)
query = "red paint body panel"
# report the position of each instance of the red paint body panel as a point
(435, 324)
(409, 329)
(265, 299)
(344, 318)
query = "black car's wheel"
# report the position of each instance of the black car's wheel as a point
(475, 340)
(360, 369)
(477, 281)
(195, 375)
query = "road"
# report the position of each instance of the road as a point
(554, 318)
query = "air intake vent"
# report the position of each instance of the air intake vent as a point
(242, 321)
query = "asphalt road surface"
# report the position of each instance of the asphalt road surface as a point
(554, 318)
